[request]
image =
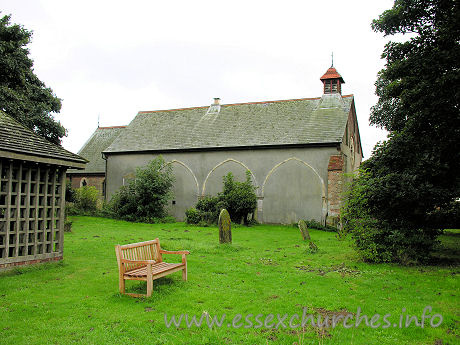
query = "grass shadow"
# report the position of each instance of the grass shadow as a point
(163, 286)
(448, 252)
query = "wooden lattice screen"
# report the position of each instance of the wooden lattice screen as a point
(32, 201)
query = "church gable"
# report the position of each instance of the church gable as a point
(98, 142)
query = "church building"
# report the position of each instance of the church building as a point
(94, 172)
(296, 151)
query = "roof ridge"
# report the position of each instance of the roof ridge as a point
(231, 104)
(110, 127)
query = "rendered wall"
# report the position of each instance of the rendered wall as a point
(292, 183)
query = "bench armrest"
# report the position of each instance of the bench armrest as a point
(183, 252)
(145, 262)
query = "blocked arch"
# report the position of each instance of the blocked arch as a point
(189, 170)
(222, 163)
(323, 187)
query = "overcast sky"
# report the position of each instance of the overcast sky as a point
(115, 58)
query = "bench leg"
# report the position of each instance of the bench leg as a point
(122, 285)
(149, 280)
(184, 271)
(149, 287)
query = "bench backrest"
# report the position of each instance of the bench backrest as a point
(148, 250)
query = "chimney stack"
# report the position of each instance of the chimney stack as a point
(215, 107)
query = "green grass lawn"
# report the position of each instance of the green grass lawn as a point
(267, 270)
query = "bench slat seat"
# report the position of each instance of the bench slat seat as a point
(156, 268)
(144, 261)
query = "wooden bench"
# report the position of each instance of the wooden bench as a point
(144, 261)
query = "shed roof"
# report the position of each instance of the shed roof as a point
(319, 120)
(92, 149)
(17, 141)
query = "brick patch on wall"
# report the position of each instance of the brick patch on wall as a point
(29, 262)
(95, 181)
(334, 188)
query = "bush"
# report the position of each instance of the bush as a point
(239, 198)
(145, 198)
(377, 240)
(192, 216)
(69, 192)
(67, 226)
(86, 200)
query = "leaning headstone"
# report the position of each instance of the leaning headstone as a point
(225, 227)
(304, 230)
(306, 236)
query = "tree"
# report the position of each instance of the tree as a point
(412, 180)
(22, 95)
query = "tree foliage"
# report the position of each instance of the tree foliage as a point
(22, 95)
(412, 180)
(145, 198)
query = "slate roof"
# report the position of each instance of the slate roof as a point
(298, 121)
(16, 138)
(92, 149)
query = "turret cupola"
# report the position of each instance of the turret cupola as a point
(332, 81)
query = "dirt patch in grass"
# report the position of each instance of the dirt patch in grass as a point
(342, 269)
(331, 313)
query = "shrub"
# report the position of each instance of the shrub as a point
(69, 192)
(239, 198)
(67, 226)
(377, 240)
(86, 199)
(145, 197)
(192, 216)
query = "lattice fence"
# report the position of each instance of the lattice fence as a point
(32, 201)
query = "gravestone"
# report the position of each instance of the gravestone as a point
(306, 236)
(225, 227)
(304, 230)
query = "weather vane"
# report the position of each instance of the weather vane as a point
(332, 56)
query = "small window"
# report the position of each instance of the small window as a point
(83, 182)
(327, 86)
